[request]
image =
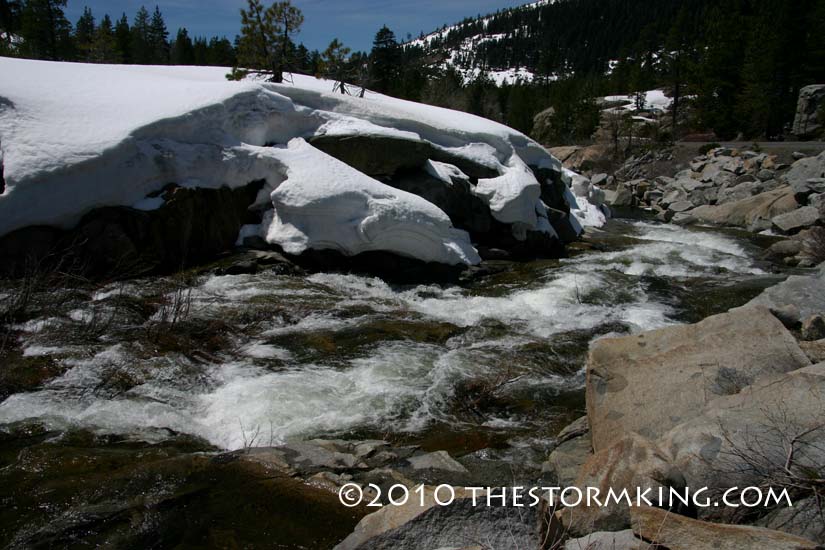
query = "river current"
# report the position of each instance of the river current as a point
(498, 363)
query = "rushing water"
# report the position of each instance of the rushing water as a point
(499, 362)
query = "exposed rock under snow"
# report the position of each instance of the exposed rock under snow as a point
(76, 137)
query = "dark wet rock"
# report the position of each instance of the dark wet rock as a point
(493, 253)
(387, 266)
(783, 249)
(19, 373)
(384, 157)
(112, 492)
(413, 526)
(466, 210)
(788, 315)
(813, 328)
(193, 226)
(573, 449)
(255, 261)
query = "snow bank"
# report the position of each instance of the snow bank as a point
(585, 199)
(75, 137)
(326, 204)
(512, 196)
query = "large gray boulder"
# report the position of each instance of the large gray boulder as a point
(674, 532)
(797, 220)
(573, 449)
(607, 540)
(805, 169)
(807, 292)
(651, 382)
(630, 464)
(806, 123)
(754, 213)
(745, 439)
(803, 519)
(413, 526)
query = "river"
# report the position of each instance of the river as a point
(496, 364)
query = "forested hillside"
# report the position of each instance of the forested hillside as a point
(732, 67)
(742, 62)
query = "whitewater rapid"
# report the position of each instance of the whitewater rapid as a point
(323, 361)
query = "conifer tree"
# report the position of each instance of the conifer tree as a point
(84, 33)
(183, 51)
(141, 45)
(104, 46)
(45, 30)
(385, 59)
(336, 65)
(220, 53)
(158, 39)
(123, 40)
(265, 41)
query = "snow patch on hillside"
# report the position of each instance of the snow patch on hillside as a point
(655, 100)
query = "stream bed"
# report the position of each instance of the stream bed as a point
(201, 363)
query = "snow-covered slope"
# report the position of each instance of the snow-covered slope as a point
(75, 137)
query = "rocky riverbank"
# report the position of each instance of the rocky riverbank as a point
(738, 188)
(733, 401)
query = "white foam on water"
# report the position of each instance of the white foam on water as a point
(393, 386)
(259, 350)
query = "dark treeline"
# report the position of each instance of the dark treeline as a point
(39, 29)
(738, 64)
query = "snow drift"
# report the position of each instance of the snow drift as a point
(75, 137)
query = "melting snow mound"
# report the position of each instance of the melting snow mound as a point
(325, 204)
(75, 137)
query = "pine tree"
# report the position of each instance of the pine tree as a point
(200, 49)
(678, 58)
(220, 53)
(104, 45)
(84, 34)
(45, 30)
(141, 46)
(123, 40)
(385, 59)
(265, 41)
(183, 52)
(336, 65)
(158, 39)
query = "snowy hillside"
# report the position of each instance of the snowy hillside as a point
(457, 46)
(75, 137)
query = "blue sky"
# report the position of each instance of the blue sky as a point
(355, 22)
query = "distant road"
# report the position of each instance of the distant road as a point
(763, 144)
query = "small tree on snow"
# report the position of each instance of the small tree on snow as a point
(264, 44)
(337, 66)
